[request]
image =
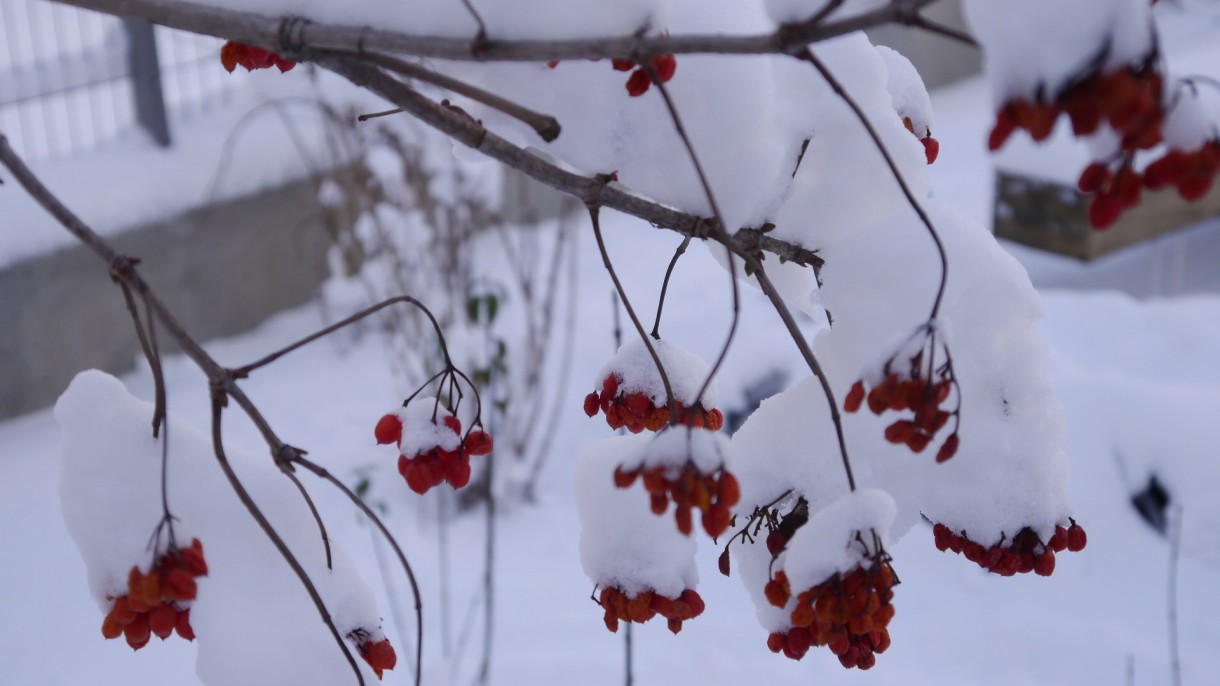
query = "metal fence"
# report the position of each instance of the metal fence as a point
(73, 80)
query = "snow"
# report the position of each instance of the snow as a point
(675, 446)
(907, 89)
(109, 491)
(1035, 395)
(1069, 37)
(622, 543)
(421, 432)
(827, 544)
(637, 372)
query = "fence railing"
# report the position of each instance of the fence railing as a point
(73, 80)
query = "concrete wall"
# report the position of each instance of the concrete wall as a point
(223, 269)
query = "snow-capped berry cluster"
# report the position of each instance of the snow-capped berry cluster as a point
(1130, 100)
(621, 607)
(157, 602)
(251, 57)
(379, 655)
(636, 411)
(848, 613)
(640, 80)
(715, 494)
(1024, 553)
(931, 146)
(922, 388)
(431, 452)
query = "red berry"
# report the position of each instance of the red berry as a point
(931, 148)
(161, 620)
(665, 65)
(1105, 210)
(638, 84)
(388, 430)
(479, 443)
(183, 625)
(1093, 178)
(1077, 539)
(591, 404)
(622, 65)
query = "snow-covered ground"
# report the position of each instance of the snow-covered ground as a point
(1139, 381)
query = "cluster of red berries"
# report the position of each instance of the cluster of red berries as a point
(921, 395)
(1024, 553)
(1128, 99)
(1131, 101)
(640, 80)
(379, 654)
(931, 146)
(1191, 173)
(154, 603)
(644, 606)
(251, 57)
(848, 614)
(714, 494)
(426, 469)
(635, 411)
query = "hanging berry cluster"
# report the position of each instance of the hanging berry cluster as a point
(636, 411)
(931, 146)
(431, 452)
(922, 387)
(640, 80)
(1132, 102)
(157, 602)
(1024, 553)
(621, 607)
(379, 655)
(251, 57)
(715, 494)
(848, 613)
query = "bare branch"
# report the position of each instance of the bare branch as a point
(218, 402)
(589, 189)
(833, 82)
(325, 475)
(545, 125)
(290, 35)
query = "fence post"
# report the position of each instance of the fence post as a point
(146, 80)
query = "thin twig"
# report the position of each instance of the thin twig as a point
(1175, 551)
(325, 475)
(656, 325)
(316, 516)
(717, 227)
(594, 213)
(546, 126)
(781, 308)
(837, 87)
(218, 403)
(374, 115)
(588, 189)
(245, 371)
(289, 35)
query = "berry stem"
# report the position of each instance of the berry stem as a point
(594, 212)
(325, 475)
(718, 228)
(656, 325)
(837, 87)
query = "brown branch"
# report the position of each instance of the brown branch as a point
(289, 36)
(837, 87)
(222, 381)
(325, 475)
(218, 403)
(546, 126)
(594, 216)
(589, 189)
